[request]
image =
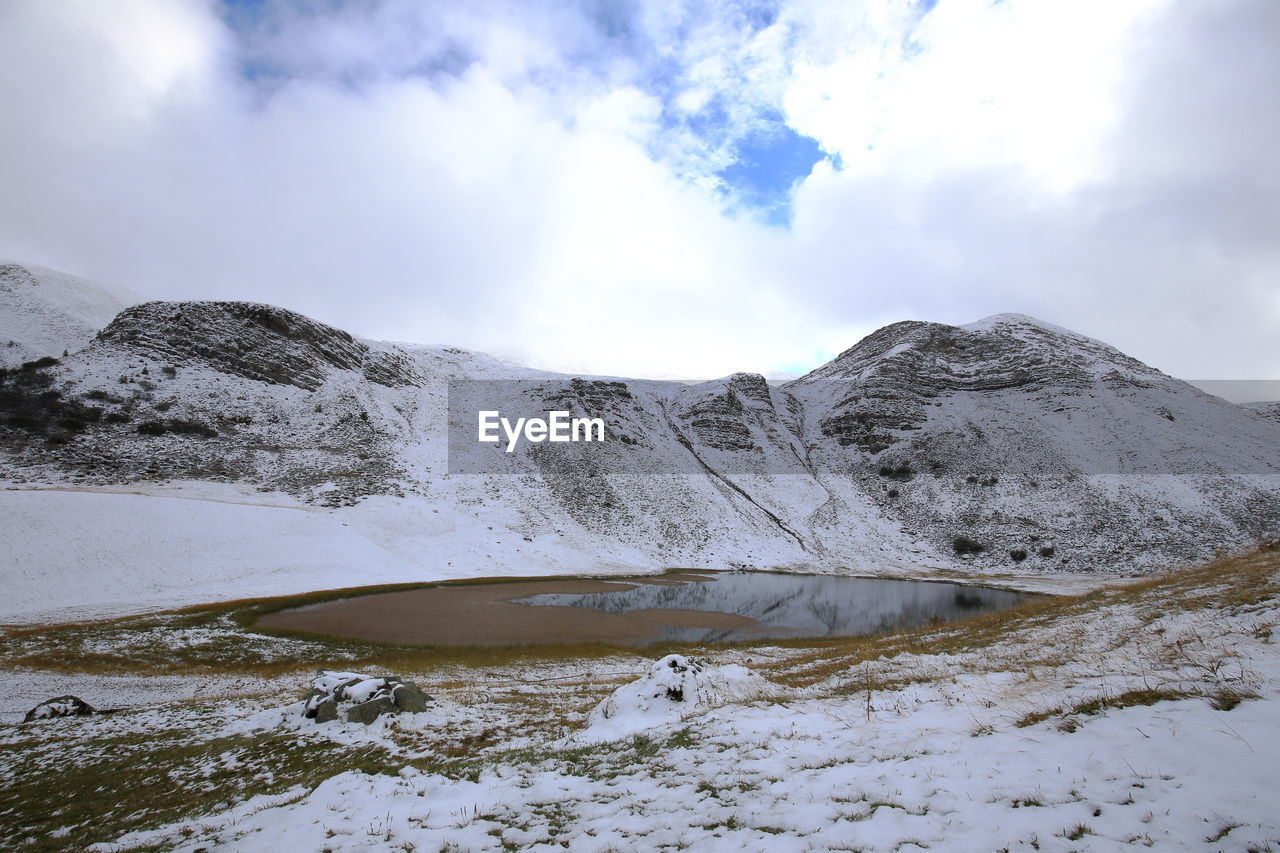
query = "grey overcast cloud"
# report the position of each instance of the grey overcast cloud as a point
(664, 189)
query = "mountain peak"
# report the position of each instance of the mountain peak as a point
(1014, 319)
(1011, 322)
(1000, 351)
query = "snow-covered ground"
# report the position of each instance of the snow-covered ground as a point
(1138, 717)
(96, 552)
(816, 776)
(84, 552)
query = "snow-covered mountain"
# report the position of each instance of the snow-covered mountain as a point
(1007, 444)
(1269, 410)
(45, 312)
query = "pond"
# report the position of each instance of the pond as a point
(693, 607)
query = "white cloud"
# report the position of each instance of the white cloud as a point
(971, 84)
(524, 179)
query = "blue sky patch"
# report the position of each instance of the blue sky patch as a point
(767, 167)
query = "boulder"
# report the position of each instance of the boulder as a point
(409, 698)
(367, 712)
(311, 700)
(325, 710)
(60, 706)
(362, 698)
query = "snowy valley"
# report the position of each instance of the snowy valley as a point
(172, 470)
(1005, 447)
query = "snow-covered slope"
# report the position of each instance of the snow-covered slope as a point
(44, 312)
(1270, 411)
(1005, 445)
(1040, 445)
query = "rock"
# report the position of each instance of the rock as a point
(258, 342)
(364, 697)
(409, 698)
(358, 689)
(325, 711)
(61, 706)
(311, 700)
(367, 712)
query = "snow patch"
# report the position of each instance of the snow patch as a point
(675, 687)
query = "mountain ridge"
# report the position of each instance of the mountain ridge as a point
(1004, 445)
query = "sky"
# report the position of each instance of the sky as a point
(674, 190)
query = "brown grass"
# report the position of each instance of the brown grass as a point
(147, 779)
(1236, 583)
(1127, 699)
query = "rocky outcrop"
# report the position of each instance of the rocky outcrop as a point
(997, 438)
(254, 341)
(360, 698)
(215, 390)
(896, 374)
(1001, 352)
(721, 417)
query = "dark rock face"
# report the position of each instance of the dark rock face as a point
(325, 710)
(1052, 450)
(898, 373)
(594, 394)
(870, 419)
(902, 368)
(394, 370)
(259, 342)
(60, 706)
(225, 391)
(718, 420)
(737, 413)
(367, 712)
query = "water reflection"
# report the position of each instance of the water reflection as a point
(793, 605)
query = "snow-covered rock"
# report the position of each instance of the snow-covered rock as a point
(675, 687)
(60, 706)
(360, 698)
